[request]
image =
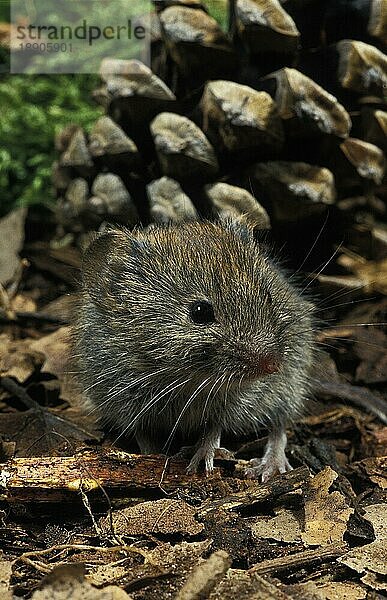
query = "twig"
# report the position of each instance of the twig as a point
(26, 557)
(278, 486)
(37, 317)
(17, 390)
(56, 478)
(301, 559)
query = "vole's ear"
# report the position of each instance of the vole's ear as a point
(241, 225)
(99, 254)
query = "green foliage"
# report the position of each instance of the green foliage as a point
(218, 9)
(34, 109)
(4, 10)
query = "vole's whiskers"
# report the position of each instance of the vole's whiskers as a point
(120, 388)
(193, 377)
(345, 303)
(312, 247)
(196, 392)
(154, 400)
(379, 324)
(322, 268)
(344, 338)
(218, 380)
(240, 382)
(340, 293)
(103, 378)
(226, 391)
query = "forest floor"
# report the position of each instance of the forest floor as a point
(86, 517)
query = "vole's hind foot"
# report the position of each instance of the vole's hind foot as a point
(224, 454)
(264, 469)
(274, 460)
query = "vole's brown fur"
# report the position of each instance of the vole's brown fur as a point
(149, 369)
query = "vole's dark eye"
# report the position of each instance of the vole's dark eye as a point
(201, 312)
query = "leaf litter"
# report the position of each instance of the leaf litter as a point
(319, 535)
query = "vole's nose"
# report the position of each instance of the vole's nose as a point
(268, 364)
(259, 363)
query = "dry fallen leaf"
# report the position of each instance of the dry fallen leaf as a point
(205, 576)
(372, 558)
(303, 591)
(284, 527)
(326, 514)
(11, 242)
(376, 514)
(21, 303)
(375, 582)
(375, 468)
(61, 308)
(56, 347)
(5, 576)
(245, 585)
(166, 558)
(339, 590)
(158, 516)
(18, 359)
(68, 581)
(374, 275)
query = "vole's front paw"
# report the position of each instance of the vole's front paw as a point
(268, 466)
(202, 454)
(185, 452)
(197, 455)
(207, 455)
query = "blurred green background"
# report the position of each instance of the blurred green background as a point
(33, 109)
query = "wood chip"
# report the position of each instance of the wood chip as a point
(300, 559)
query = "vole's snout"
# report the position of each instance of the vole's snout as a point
(259, 363)
(269, 363)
